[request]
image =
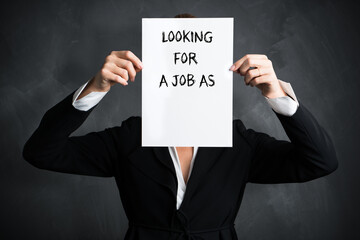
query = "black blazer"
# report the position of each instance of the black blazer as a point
(146, 176)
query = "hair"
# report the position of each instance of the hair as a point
(184, 15)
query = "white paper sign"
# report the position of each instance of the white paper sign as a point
(186, 83)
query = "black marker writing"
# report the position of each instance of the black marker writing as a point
(183, 80)
(185, 57)
(203, 80)
(188, 80)
(187, 36)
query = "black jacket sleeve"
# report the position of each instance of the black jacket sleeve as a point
(310, 154)
(94, 154)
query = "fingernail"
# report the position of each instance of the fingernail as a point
(126, 83)
(141, 65)
(232, 67)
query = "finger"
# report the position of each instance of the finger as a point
(128, 55)
(253, 73)
(122, 72)
(107, 74)
(128, 65)
(259, 80)
(123, 63)
(238, 63)
(252, 62)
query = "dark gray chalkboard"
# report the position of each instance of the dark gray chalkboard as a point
(49, 48)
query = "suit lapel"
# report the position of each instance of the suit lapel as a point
(159, 167)
(203, 162)
(163, 155)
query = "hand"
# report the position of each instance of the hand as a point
(262, 75)
(119, 67)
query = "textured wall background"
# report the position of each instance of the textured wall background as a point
(49, 48)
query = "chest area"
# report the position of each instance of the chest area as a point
(184, 157)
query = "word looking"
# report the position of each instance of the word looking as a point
(187, 36)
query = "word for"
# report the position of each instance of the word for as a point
(185, 57)
(188, 80)
(187, 36)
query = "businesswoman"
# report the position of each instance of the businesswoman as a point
(181, 192)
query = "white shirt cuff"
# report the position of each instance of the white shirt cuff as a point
(88, 101)
(286, 105)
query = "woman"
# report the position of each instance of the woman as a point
(182, 192)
